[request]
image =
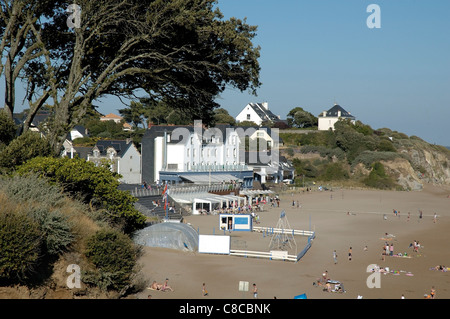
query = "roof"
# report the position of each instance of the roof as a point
(121, 146)
(112, 116)
(263, 113)
(333, 112)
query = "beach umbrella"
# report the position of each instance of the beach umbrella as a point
(302, 296)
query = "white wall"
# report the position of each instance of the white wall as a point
(130, 166)
(325, 123)
(158, 157)
(242, 116)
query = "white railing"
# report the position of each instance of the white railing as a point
(272, 255)
(272, 230)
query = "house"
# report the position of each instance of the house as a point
(122, 156)
(117, 119)
(69, 149)
(327, 119)
(193, 154)
(111, 117)
(257, 113)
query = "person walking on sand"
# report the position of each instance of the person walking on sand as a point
(350, 254)
(335, 257)
(434, 218)
(255, 291)
(391, 250)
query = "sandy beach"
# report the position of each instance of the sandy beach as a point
(342, 219)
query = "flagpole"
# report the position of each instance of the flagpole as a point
(167, 202)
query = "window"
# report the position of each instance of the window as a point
(248, 117)
(187, 152)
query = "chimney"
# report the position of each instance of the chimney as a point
(339, 113)
(265, 105)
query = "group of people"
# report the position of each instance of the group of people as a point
(161, 287)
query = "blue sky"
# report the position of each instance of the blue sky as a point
(318, 52)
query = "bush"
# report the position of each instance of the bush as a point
(367, 158)
(20, 242)
(32, 189)
(378, 178)
(114, 255)
(55, 229)
(23, 148)
(334, 172)
(96, 185)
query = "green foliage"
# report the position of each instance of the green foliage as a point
(367, 158)
(378, 178)
(95, 185)
(20, 246)
(324, 151)
(23, 148)
(334, 172)
(222, 116)
(247, 124)
(32, 190)
(114, 256)
(7, 129)
(351, 141)
(106, 129)
(298, 117)
(55, 228)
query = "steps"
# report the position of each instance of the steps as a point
(145, 206)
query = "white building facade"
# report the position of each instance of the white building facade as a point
(327, 119)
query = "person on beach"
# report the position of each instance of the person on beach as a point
(434, 218)
(166, 286)
(204, 291)
(350, 254)
(335, 257)
(432, 292)
(255, 291)
(391, 250)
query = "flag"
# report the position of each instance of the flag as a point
(164, 195)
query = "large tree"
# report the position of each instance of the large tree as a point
(180, 52)
(298, 117)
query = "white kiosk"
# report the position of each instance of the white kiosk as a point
(235, 222)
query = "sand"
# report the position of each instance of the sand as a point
(326, 212)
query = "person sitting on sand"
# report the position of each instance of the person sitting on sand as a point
(166, 286)
(156, 286)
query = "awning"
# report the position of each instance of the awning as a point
(210, 178)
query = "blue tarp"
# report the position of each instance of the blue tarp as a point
(302, 296)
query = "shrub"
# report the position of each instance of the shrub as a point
(114, 255)
(334, 171)
(55, 229)
(368, 157)
(378, 178)
(23, 148)
(32, 189)
(20, 242)
(96, 185)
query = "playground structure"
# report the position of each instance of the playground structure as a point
(282, 239)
